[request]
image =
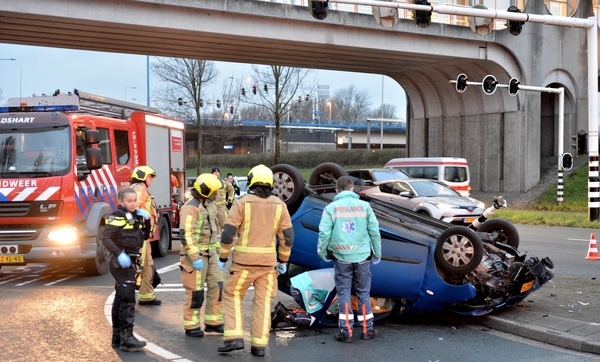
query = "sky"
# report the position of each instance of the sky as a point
(43, 70)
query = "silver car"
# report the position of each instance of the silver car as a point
(428, 197)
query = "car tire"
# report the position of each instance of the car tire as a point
(326, 174)
(458, 251)
(160, 247)
(98, 265)
(288, 185)
(508, 233)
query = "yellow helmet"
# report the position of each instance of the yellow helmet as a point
(260, 175)
(207, 184)
(142, 172)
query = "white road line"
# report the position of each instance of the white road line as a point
(10, 280)
(32, 280)
(60, 280)
(572, 239)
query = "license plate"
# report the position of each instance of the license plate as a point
(526, 286)
(12, 259)
(469, 220)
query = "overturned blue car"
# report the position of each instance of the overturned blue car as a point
(426, 264)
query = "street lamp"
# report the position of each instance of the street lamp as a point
(126, 91)
(329, 105)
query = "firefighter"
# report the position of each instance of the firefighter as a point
(199, 258)
(141, 179)
(224, 198)
(258, 219)
(124, 233)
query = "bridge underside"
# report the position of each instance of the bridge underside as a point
(498, 134)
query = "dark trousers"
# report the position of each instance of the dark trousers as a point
(123, 309)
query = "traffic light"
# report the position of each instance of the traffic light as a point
(318, 9)
(513, 86)
(489, 84)
(574, 145)
(201, 102)
(566, 161)
(265, 88)
(422, 17)
(218, 103)
(231, 110)
(253, 89)
(581, 143)
(461, 83)
(514, 27)
(307, 97)
(180, 101)
(243, 92)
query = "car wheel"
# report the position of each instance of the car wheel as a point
(459, 250)
(326, 174)
(507, 232)
(98, 265)
(288, 185)
(160, 247)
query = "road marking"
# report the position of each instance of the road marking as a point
(573, 239)
(61, 280)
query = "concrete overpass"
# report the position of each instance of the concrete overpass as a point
(503, 137)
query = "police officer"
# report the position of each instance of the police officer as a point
(199, 258)
(224, 197)
(124, 233)
(256, 219)
(141, 179)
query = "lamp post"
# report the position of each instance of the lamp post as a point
(126, 91)
(329, 105)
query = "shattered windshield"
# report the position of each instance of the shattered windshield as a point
(38, 152)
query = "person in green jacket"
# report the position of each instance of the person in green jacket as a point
(349, 233)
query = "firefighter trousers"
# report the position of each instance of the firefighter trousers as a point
(193, 281)
(123, 308)
(146, 292)
(237, 281)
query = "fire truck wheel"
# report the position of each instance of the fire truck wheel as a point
(98, 265)
(161, 246)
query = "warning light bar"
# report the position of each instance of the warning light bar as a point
(52, 108)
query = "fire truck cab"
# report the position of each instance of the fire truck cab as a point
(63, 159)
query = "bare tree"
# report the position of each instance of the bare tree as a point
(351, 104)
(183, 95)
(277, 87)
(386, 110)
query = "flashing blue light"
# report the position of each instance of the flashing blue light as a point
(52, 108)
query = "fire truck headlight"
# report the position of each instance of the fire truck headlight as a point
(66, 235)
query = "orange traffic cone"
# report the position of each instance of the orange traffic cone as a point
(593, 250)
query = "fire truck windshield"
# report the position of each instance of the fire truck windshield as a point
(36, 152)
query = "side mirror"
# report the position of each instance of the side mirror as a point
(92, 136)
(93, 158)
(405, 194)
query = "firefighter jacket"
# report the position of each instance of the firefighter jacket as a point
(125, 231)
(258, 222)
(146, 201)
(349, 229)
(225, 195)
(198, 218)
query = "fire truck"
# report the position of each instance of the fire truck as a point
(63, 159)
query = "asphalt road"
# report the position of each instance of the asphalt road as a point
(58, 314)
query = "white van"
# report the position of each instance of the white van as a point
(452, 171)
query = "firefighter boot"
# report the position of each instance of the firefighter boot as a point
(231, 345)
(116, 337)
(129, 342)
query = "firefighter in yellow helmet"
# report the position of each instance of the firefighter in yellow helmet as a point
(141, 179)
(224, 199)
(258, 219)
(199, 259)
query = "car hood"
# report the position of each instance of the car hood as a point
(453, 200)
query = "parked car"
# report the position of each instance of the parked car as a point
(426, 264)
(428, 197)
(242, 182)
(367, 177)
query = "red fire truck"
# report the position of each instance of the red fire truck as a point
(63, 159)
